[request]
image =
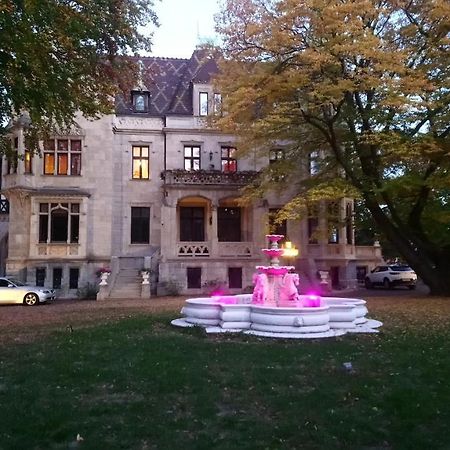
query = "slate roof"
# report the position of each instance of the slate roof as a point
(169, 81)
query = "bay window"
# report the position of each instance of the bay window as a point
(59, 222)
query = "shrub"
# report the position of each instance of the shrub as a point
(87, 292)
(170, 287)
(214, 287)
(248, 289)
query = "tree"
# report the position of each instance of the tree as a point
(58, 57)
(367, 83)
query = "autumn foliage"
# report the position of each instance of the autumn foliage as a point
(366, 83)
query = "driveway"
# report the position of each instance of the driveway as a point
(400, 291)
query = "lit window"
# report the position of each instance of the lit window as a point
(203, 104)
(140, 163)
(228, 159)
(27, 161)
(191, 157)
(62, 157)
(59, 222)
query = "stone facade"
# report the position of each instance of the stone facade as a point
(63, 227)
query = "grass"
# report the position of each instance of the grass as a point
(139, 383)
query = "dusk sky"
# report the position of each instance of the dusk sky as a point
(182, 22)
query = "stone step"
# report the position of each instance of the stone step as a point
(125, 296)
(127, 289)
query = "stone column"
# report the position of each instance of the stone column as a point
(213, 227)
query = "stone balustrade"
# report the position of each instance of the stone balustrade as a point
(208, 177)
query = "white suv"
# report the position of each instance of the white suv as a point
(390, 276)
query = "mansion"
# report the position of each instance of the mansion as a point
(151, 187)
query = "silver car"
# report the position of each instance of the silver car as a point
(14, 291)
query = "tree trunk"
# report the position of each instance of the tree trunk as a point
(433, 271)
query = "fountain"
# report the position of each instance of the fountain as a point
(276, 309)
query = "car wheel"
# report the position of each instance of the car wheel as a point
(412, 287)
(31, 299)
(368, 283)
(386, 283)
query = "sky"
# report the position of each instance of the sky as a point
(183, 24)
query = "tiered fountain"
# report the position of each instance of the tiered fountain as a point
(275, 309)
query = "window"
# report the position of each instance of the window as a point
(313, 163)
(57, 277)
(313, 226)
(40, 276)
(192, 224)
(349, 223)
(203, 104)
(361, 272)
(217, 103)
(140, 225)
(194, 277)
(276, 155)
(229, 162)
(191, 157)
(333, 222)
(27, 161)
(4, 205)
(62, 157)
(4, 283)
(59, 222)
(74, 274)
(229, 224)
(235, 277)
(140, 101)
(13, 157)
(140, 162)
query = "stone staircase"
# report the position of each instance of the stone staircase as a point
(127, 285)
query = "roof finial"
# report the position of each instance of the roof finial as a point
(140, 77)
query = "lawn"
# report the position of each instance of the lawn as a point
(135, 382)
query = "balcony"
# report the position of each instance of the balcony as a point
(207, 177)
(344, 251)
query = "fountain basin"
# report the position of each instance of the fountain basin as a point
(335, 316)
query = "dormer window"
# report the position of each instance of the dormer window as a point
(140, 101)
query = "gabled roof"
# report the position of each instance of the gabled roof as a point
(169, 81)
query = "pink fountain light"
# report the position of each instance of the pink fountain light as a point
(273, 252)
(276, 285)
(312, 300)
(274, 237)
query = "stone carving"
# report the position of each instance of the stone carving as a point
(261, 283)
(193, 250)
(288, 288)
